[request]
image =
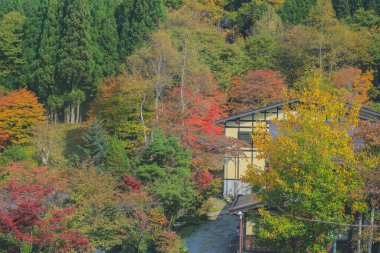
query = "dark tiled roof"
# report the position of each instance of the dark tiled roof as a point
(255, 111)
(366, 114)
(244, 202)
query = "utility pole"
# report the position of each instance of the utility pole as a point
(372, 221)
(240, 232)
(359, 234)
(335, 241)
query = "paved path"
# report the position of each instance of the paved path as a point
(214, 236)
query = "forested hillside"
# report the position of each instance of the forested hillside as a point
(107, 107)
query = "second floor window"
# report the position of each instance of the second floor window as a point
(245, 136)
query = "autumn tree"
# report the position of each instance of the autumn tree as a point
(312, 170)
(325, 43)
(167, 241)
(94, 197)
(44, 141)
(225, 60)
(130, 183)
(20, 111)
(302, 49)
(120, 219)
(195, 125)
(257, 88)
(203, 54)
(157, 63)
(31, 214)
(197, 132)
(355, 82)
(123, 108)
(148, 224)
(211, 10)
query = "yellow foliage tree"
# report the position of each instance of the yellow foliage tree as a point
(211, 9)
(312, 172)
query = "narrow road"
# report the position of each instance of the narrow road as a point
(214, 236)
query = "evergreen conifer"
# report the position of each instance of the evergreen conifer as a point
(136, 18)
(94, 146)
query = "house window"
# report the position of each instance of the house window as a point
(245, 136)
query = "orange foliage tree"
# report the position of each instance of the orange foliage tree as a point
(20, 111)
(354, 82)
(256, 88)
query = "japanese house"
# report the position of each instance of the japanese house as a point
(241, 126)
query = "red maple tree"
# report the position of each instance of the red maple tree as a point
(130, 183)
(203, 179)
(195, 125)
(31, 212)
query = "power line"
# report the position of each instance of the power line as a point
(327, 222)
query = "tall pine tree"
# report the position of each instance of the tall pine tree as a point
(46, 69)
(136, 18)
(11, 54)
(342, 8)
(105, 37)
(76, 67)
(10, 5)
(295, 11)
(355, 5)
(76, 63)
(94, 146)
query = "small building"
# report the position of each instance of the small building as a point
(241, 126)
(248, 203)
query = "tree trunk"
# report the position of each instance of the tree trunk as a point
(55, 117)
(183, 73)
(372, 221)
(78, 110)
(72, 108)
(358, 245)
(320, 53)
(156, 104)
(67, 115)
(45, 154)
(142, 119)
